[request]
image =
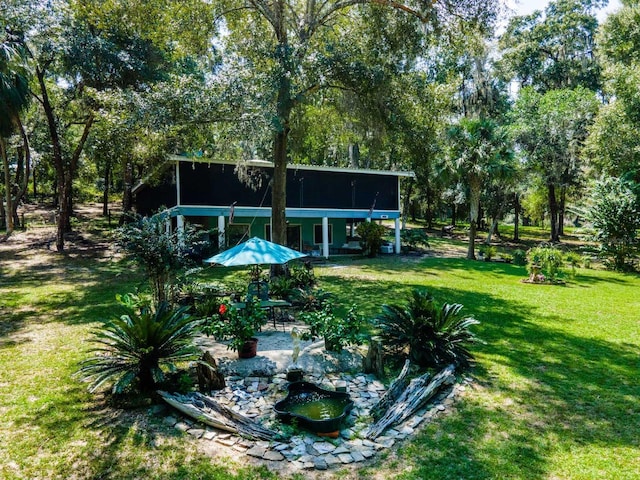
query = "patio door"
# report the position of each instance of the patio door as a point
(294, 236)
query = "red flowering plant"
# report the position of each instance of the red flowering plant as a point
(237, 325)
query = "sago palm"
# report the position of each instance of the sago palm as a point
(138, 347)
(434, 337)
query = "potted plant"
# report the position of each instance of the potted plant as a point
(238, 325)
(338, 332)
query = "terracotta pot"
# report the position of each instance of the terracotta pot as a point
(249, 349)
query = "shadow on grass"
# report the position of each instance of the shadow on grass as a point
(68, 291)
(563, 391)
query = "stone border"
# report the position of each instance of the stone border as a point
(255, 397)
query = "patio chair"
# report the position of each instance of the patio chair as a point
(258, 289)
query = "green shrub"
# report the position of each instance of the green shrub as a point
(337, 331)
(544, 263)
(281, 287)
(302, 275)
(414, 237)
(487, 251)
(507, 257)
(433, 337)
(616, 218)
(160, 253)
(574, 260)
(310, 299)
(370, 234)
(236, 325)
(138, 348)
(519, 257)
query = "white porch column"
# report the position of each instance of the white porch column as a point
(180, 228)
(221, 231)
(167, 226)
(397, 225)
(325, 237)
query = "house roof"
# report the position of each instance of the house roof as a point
(293, 166)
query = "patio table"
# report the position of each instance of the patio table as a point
(271, 305)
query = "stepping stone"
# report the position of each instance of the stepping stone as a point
(299, 449)
(320, 463)
(257, 451)
(182, 426)
(357, 456)
(367, 453)
(273, 456)
(331, 460)
(340, 449)
(345, 458)
(196, 432)
(170, 420)
(323, 447)
(229, 442)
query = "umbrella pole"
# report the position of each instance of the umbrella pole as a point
(255, 273)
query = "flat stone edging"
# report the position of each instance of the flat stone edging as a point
(255, 397)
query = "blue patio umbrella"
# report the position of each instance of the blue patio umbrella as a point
(255, 251)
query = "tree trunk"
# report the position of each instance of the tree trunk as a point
(553, 213)
(209, 377)
(374, 361)
(493, 228)
(105, 194)
(407, 203)
(7, 186)
(516, 217)
(412, 399)
(3, 214)
(561, 206)
(392, 394)
(65, 167)
(279, 188)
(454, 209)
(354, 155)
(127, 196)
(35, 184)
(24, 169)
(284, 105)
(474, 208)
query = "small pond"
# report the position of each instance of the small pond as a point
(313, 407)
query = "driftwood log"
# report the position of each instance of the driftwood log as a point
(374, 361)
(393, 392)
(209, 377)
(414, 397)
(210, 412)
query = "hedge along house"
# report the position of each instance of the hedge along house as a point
(323, 203)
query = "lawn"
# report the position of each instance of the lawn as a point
(556, 391)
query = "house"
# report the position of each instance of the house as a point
(324, 204)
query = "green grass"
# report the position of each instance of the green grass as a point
(556, 391)
(557, 394)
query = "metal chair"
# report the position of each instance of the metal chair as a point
(258, 289)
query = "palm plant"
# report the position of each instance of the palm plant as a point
(310, 299)
(434, 337)
(139, 346)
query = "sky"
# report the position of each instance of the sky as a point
(524, 7)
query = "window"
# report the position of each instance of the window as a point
(317, 234)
